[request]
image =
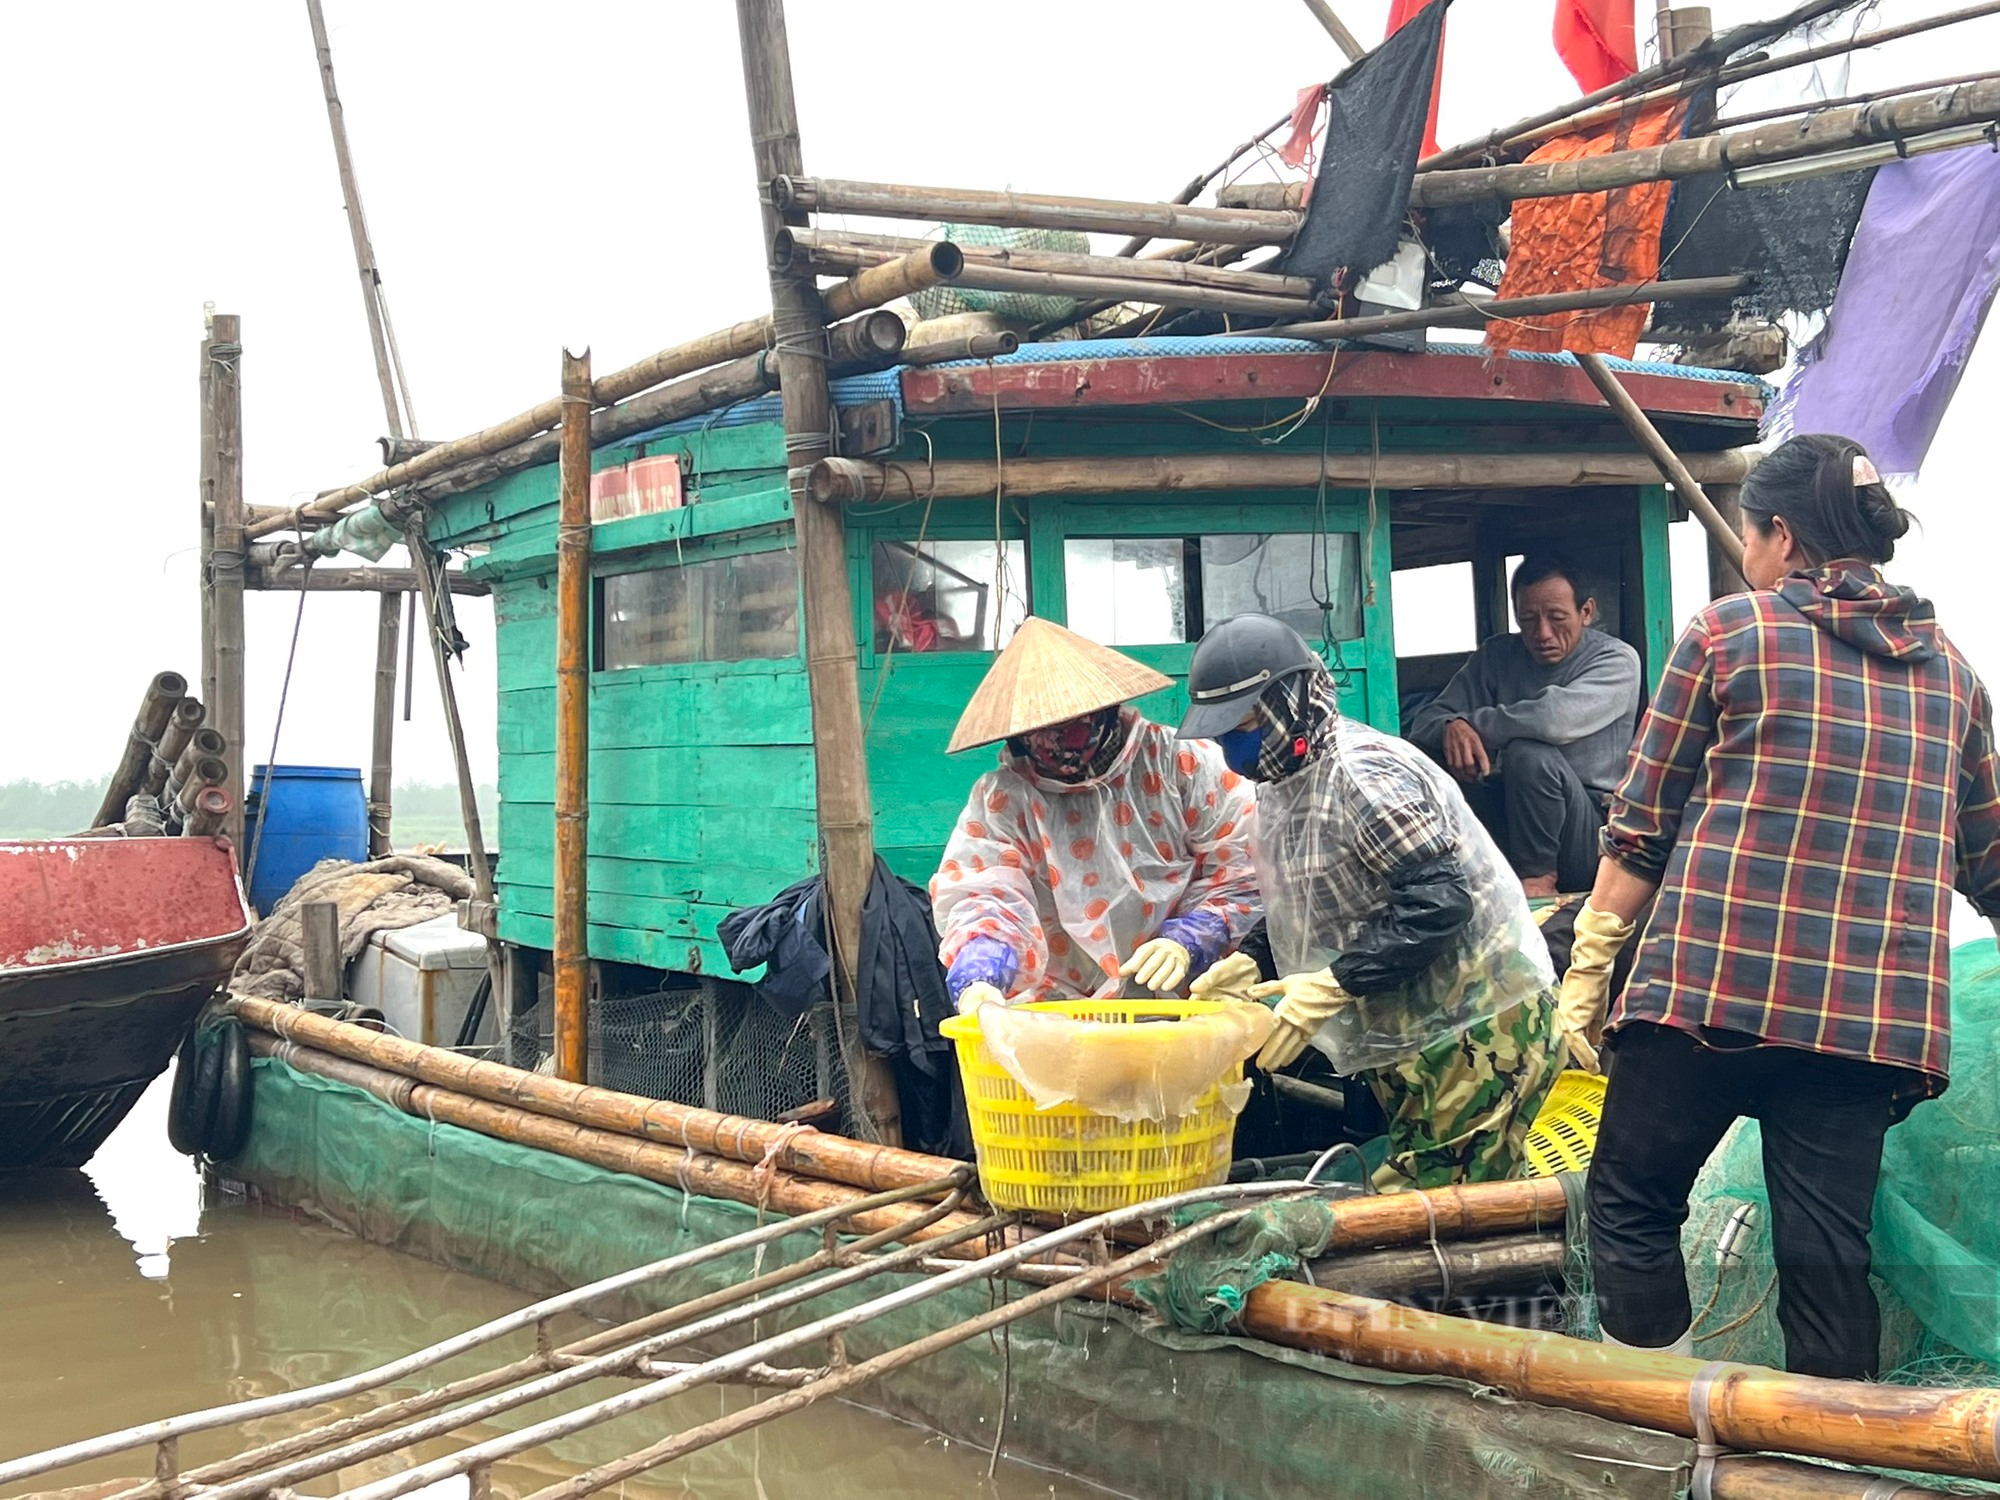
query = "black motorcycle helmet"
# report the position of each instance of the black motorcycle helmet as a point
(1233, 665)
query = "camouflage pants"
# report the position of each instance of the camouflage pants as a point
(1460, 1110)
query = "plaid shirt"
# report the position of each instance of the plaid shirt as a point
(1816, 772)
(1330, 838)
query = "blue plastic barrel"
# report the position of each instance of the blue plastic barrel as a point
(309, 813)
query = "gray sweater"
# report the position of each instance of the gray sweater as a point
(1587, 703)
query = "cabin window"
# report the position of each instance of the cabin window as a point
(948, 596)
(1142, 591)
(742, 608)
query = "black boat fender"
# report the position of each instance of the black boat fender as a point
(229, 1125)
(191, 1106)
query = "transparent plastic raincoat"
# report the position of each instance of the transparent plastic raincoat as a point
(1071, 877)
(1330, 836)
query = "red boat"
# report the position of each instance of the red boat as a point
(108, 947)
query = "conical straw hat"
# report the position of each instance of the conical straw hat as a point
(1048, 674)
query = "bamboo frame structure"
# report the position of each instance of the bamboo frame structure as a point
(454, 726)
(837, 481)
(324, 580)
(869, 289)
(572, 790)
(1459, 311)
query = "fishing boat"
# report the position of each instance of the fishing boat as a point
(108, 948)
(733, 630)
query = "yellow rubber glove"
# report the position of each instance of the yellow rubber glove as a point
(1600, 937)
(975, 995)
(1229, 978)
(1160, 965)
(1306, 1002)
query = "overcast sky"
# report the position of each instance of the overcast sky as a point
(537, 175)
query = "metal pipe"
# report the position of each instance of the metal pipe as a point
(168, 1429)
(763, 1350)
(618, 1362)
(605, 1475)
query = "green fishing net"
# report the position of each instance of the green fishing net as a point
(1204, 1284)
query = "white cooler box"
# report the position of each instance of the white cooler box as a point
(423, 979)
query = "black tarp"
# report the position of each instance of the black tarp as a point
(1791, 238)
(1374, 131)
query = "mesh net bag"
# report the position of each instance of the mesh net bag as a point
(1015, 307)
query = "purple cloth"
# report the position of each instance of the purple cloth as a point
(1920, 278)
(981, 960)
(1203, 934)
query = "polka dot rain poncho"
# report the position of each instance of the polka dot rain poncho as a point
(1046, 886)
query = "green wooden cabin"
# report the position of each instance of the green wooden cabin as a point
(701, 767)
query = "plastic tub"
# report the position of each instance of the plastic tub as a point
(309, 813)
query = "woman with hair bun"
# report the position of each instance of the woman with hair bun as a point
(1815, 774)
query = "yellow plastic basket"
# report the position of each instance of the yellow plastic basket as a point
(1565, 1133)
(1067, 1160)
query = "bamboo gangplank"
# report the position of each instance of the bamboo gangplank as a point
(571, 956)
(690, 1170)
(322, 580)
(1849, 1421)
(1460, 311)
(156, 712)
(851, 481)
(843, 252)
(869, 289)
(807, 1152)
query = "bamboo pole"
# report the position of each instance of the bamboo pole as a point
(1198, 184)
(974, 346)
(841, 253)
(1721, 539)
(572, 809)
(382, 743)
(1935, 1431)
(323, 580)
(1812, 106)
(223, 351)
(187, 718)
(807, 1152)
(357, 224)
(1218, 226)
(691, 1171)
(1893, 121)
(1559, 119)
(454, 727)
(1460, 311)
(852, 481)
(1342, 37)
(840, 763)
(157, 707)
(207, 813)
(870, 341)
(1504, 1263)
(869, 289)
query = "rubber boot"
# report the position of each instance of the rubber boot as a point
(1683, 1346)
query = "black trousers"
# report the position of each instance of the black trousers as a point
(1541, 814)
(1671, 1097)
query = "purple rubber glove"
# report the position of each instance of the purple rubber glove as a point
(983, 960)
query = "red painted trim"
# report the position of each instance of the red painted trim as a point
(1182, 380)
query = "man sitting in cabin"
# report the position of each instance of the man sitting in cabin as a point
(1099, 853)
(1537, 727)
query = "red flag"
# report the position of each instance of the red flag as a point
(1400, 12)
(1596, 41)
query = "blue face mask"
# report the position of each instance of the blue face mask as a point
(1240, 749)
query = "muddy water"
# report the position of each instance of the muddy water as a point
(125, 1297)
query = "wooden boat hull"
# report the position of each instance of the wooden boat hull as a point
(108, 948)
